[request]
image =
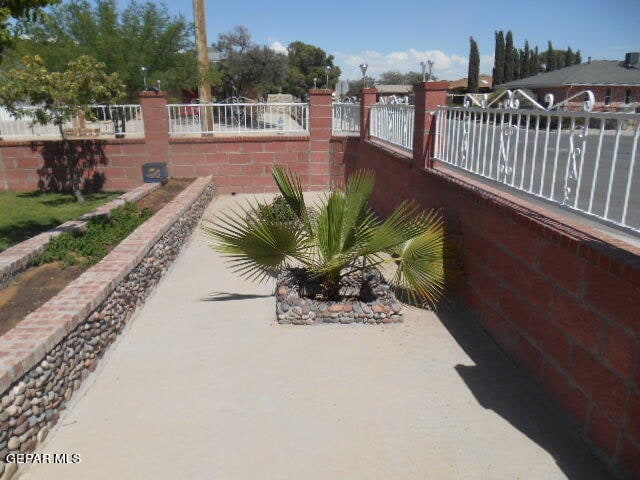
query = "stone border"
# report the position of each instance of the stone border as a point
(45, 358)
(292, 308)
(19, 257)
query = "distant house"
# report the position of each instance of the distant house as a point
(399, 91)
(458, 88)
(615, 84)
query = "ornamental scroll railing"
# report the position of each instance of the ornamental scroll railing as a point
(238, 116)
(346, 118)
(393, 123)
(97, 121)
(583, 160)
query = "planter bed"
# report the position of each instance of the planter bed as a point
(48, 355)
(36, 284)
(19, 257)
(375, 303)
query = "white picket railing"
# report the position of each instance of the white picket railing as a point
(346, 118)
(238, 118)
(586, 161)
(98, 121)
(393, 123)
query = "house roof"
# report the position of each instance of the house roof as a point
(392, 89)
(486, 81)
(597, 72)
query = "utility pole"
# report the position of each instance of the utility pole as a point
(204, 89)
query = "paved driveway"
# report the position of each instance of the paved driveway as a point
(204, 385)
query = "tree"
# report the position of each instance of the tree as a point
(569, 57)
(345, 236)
(474, 67)
(412, 77)
(143, 34)
(356, 86)
(14, 15)
(526, 60)
(58, 97)
(551, 58)
(534, 63)
(509, 54)
(248, 69)
(577, 58)
(498, 68)
(307, 62)
(392, 77)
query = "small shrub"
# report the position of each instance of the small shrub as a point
(102, 234)
(278, 211)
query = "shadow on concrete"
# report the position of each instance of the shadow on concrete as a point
(228, 296)
(499, 385)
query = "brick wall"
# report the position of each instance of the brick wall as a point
(561, 299)
(343, 151)
(238, 164)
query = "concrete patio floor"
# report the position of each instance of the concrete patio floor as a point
(204, 384)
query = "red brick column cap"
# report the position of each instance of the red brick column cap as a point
(320, 91)
(431, 86)
(369, 90)
(153, 94)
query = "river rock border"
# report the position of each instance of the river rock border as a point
(31, 404)
(292, 308)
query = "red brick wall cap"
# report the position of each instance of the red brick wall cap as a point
(431, 86)
(153, 94)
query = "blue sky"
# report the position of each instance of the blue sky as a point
(389, 35)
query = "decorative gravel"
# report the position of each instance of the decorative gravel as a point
(365, 299)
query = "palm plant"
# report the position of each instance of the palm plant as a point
(344, 237)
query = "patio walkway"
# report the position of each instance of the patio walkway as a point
(204, 384)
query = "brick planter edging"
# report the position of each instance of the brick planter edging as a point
(17, 258)
(44, 359)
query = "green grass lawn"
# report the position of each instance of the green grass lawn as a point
(25, 214)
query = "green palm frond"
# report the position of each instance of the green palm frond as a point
(257, 248)
(346, 235)
(405, 222)
(424, 263)
(358, 217)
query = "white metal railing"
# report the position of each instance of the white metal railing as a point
(97, 121)
(586, 161)
(346, 118)
(393, 123)
(238, 118)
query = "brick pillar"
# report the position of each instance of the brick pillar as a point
(428, 96)
(320, 129)
(156, 126)
(368, 97)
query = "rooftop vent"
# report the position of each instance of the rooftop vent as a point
(632, 60)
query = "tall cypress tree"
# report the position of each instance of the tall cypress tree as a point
(551, 58)
(577, 58)
(509, 55)
(498, 66)
(526, 58)
(474, 67)
(534, 62)
(560, 59)
(517, 63)
(569, 57)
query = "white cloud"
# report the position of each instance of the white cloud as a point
(278, 47)
(446, 66)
